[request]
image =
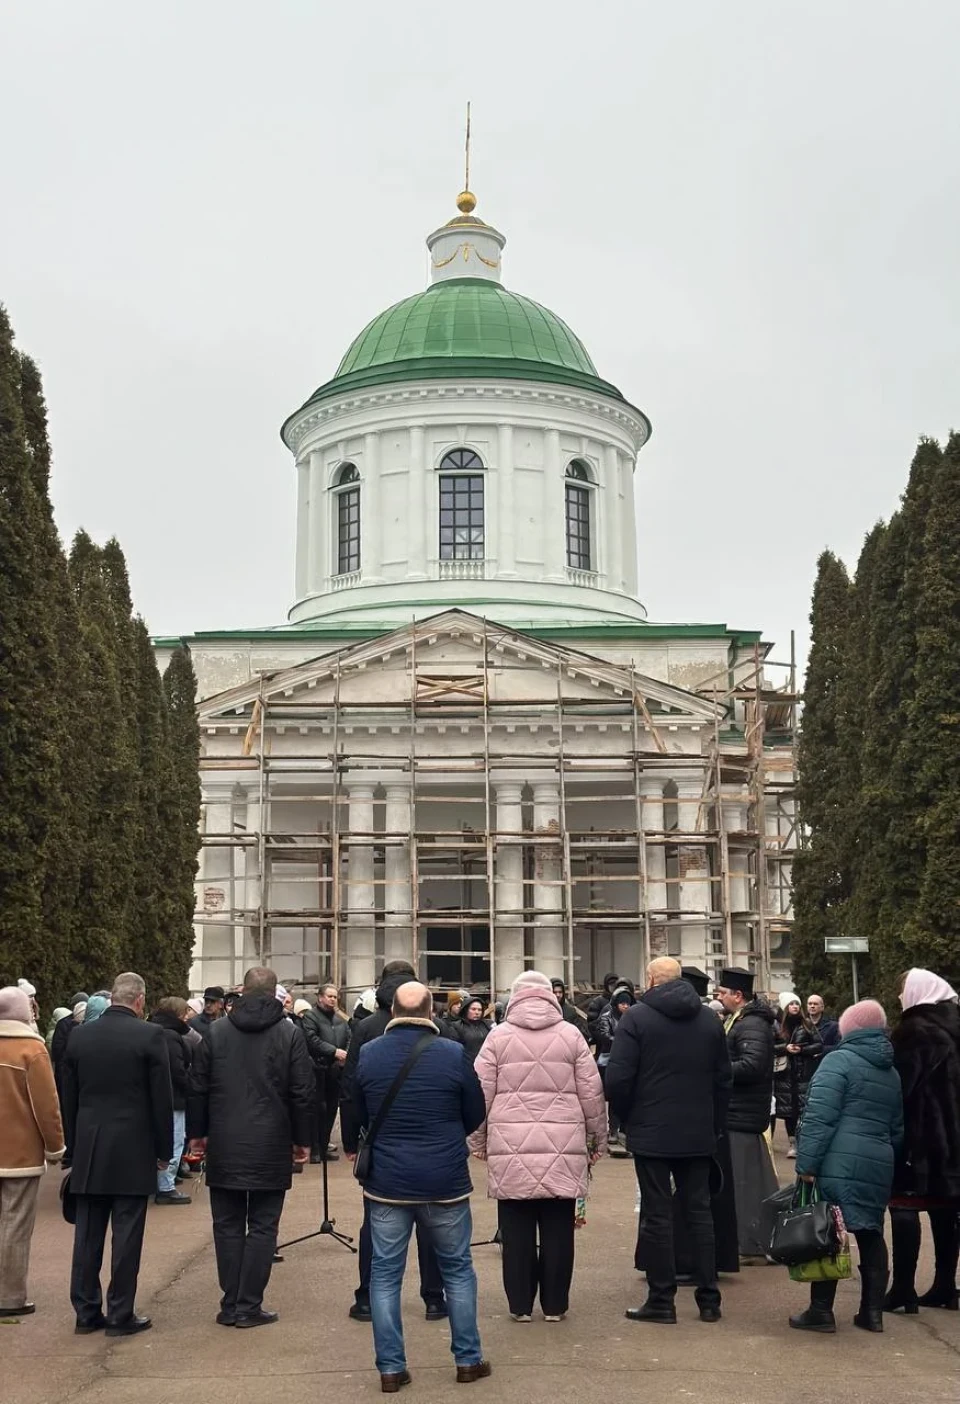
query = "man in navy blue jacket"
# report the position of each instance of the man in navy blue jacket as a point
(420, 1175)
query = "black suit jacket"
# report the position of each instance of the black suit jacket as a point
(117, 1105)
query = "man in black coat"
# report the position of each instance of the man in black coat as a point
(170, 1015)
(599, 1003)
(250, 1111)
(668, 1081)
(571, 1014)
(394, 974)
(328, 1037)
(749, 1027)
(61, 1037)
(213, 1009)
(118, 1115)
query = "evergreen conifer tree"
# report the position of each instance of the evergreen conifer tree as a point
(821, 874)
(67, 801)
(180, 691)
(932, 743)
(107, 896)
(29, 763)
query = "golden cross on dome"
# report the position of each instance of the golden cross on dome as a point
(466, 200)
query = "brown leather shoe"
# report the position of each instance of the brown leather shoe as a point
(390, 1384)
(466, 1374)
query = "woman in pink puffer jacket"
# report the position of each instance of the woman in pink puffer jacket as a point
(544, 1104)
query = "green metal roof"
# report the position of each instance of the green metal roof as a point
(465, 327)
(467, 318)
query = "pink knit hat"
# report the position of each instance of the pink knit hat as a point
(531, 980)
(868, 1014)
(14, 1005)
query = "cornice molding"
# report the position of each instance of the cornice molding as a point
(449, 393)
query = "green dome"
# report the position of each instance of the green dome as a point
(465, 327)
(467, 318)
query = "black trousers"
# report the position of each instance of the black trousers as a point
(872, 1250)
(431, 1283)
(906, 1235)
(530, 1266)
(245, 1228)
(613, 1121)
(692, 1180)
(95, 1212)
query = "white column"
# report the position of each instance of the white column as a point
(628, 524)
(217, 889)
(361, 893)
(554, 534)
(547, 894)
(694, 874)
(397, 894)
(508, 887)
(246, 937)
(735, 821)
(651, 793)
(610, 562)
(416, 526)
(318, 549)
(506, 544)
(303, 526)
(371, 552)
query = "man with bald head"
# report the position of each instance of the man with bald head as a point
(669, 1080)
(418, 1098)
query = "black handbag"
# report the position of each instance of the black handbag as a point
(807, 1230)
(363, 1162)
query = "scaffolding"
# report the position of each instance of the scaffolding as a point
(478, 833)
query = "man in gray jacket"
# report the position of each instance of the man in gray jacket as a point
(328, 1037)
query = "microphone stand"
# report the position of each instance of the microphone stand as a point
(327, 1227)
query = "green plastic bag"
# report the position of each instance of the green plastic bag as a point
(823, 1269)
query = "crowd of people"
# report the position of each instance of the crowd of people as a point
(690, 1081)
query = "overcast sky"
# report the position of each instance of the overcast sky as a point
(747, 210)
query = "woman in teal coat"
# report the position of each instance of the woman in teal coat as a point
(851, 1128)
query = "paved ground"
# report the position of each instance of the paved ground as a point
(315, 1352)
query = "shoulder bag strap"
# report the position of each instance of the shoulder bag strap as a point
(395, 1086)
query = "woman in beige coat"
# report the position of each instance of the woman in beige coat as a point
(31, 1135)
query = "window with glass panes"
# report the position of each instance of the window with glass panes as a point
(348, 530)
(578, 527)
(461, 507)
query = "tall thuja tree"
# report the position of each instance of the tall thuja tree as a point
(29, 763)
(892, 802)
(183, 732)
(106, 904)
(822, 868)
(67, 801)
(860, 910)
(932, 740)
(149, 726)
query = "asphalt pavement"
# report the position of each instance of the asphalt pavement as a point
(315, 1352)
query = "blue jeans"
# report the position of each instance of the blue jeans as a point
(450, 1227)
(166, 1180)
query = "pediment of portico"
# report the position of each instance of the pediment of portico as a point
(450, 664)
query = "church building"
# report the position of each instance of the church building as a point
(468, 745)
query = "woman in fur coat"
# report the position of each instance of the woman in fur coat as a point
(927, 1056)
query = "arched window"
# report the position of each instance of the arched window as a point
(461, 506)
(346, 491)
(579, 542)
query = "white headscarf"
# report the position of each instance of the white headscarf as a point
(923, 987)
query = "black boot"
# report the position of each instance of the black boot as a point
(946, 1249)
(873, 1285)
(905, 1233)
(819, 1314)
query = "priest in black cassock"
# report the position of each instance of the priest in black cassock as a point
(750, 1027)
